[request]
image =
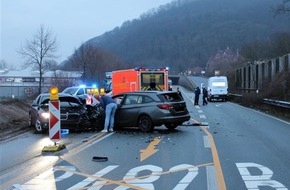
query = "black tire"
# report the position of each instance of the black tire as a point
(38, 127)
(145, 123)
(171, 126)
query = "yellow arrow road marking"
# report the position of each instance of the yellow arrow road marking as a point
(150, 150)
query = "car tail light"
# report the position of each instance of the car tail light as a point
(165, 106)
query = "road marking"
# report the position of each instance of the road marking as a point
(43, 181)
(150, 150)
(89, 180)
(133, 177)
(66, 174)
(262, 179)
(206, 142)
(195, 121)
(94, 140)
(199, 111)
(202, 116)
(216, 161)
(211, 178)
(100, 178)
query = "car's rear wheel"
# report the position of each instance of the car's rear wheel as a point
(145, 123)
(38, 127)
(171, 126)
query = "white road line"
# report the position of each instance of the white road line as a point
(43, 181)
(206, 142)
(199, 111)
(211, 178)
(86, 146)
(202, 116)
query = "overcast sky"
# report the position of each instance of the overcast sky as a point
(72, 21)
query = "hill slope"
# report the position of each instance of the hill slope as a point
(186, 33)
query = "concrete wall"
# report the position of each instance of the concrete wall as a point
(254, 75)
(20, 92)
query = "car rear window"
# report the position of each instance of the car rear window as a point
(169, 97)
(137, 99)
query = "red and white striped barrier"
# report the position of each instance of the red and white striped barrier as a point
(54, 120)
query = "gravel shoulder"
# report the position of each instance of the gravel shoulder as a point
(13, 118)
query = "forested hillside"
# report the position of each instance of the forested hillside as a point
(186, 33)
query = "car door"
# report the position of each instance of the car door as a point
(33, 110)
(128, 111)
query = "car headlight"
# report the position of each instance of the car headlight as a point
(45, 115)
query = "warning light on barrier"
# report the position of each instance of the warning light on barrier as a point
(102, 91)
(96, 92)
(53, 93)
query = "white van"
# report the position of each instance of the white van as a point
(218, 88)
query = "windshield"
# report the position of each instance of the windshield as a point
(73, 100)
(152, 78)
(70, 91)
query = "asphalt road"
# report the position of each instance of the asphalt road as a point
(232, 148)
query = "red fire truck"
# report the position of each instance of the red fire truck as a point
(138, 79)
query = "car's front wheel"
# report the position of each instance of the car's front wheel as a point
(38, 127)
(145, 123)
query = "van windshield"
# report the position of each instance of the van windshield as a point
(219, 84)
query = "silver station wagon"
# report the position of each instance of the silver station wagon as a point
(147, 109)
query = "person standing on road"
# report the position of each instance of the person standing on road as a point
(196, 97)
(204, 96)
(110, 107)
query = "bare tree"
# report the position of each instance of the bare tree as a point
(93, 62)
(81, 59)
(39, 52)
(280, 43)
(256, 50)
(3, 64)
(284, 7)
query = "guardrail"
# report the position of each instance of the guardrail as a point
(278, 103)
(235, 95)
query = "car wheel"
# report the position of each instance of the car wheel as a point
(145, 124)
(171, 126)
(38, 127)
